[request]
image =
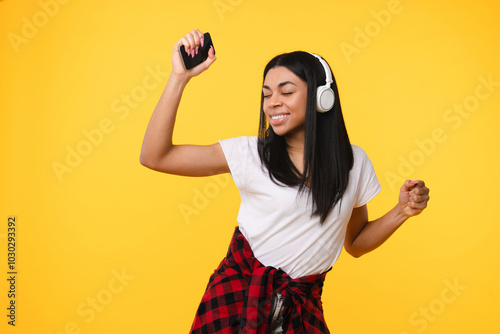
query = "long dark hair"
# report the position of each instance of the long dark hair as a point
(328, 156)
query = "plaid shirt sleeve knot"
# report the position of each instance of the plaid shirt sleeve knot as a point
(239, 296)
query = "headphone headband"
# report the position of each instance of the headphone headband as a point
(325, 97)
(328, 73)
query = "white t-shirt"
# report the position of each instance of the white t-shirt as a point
(277, 221)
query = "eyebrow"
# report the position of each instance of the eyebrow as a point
(280, 85)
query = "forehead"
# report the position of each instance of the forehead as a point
(281, 74)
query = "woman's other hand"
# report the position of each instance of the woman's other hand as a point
(413, 197)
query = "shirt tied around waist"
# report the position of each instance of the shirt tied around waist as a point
(240, 292)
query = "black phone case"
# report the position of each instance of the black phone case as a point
(190, 62)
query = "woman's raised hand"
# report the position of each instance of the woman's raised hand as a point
(158, 151)
(191, 41)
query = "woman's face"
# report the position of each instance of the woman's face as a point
(285, 101)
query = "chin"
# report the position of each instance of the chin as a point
(279, 132)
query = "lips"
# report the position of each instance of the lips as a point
(276, 119)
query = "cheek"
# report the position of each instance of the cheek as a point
(300, 104)
(265, 106)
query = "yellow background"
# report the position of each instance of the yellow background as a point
(107, 215)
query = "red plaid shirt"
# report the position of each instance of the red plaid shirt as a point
(240, 292)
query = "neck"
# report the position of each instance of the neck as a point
(296, 151)
(295, 142)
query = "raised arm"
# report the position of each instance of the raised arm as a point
(363, 236)
(158, 151)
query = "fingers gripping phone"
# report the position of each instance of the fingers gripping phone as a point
(190, 62)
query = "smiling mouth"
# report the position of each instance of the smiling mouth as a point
(278, 119)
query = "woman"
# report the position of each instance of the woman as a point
(303, 188)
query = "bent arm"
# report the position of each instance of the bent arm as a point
(158, 151)
(363, 236)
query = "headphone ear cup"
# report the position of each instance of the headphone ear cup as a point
(325, 99)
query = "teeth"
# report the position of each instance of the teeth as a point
(278, 117)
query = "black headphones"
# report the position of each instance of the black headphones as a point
(325, 97)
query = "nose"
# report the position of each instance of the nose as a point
(275, 102)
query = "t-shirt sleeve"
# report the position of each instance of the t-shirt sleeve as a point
(368, 185)
(236, 153)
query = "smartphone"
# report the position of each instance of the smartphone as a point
(190, 62)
